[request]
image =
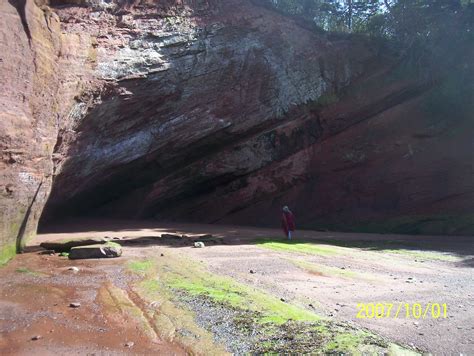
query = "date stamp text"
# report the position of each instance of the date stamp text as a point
(401, 310)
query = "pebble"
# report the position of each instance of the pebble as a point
(252, 271)
(283, 300)
(36, 337)
(155, 304)
(129, 344)
(75, 305)
(74, 269)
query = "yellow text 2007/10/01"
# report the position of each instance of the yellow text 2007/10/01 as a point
(401, 310)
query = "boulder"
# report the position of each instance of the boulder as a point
(67, 245)
(108, 250)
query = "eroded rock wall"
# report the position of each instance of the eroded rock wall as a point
(39, 71)
(218, 111)
(185, 85)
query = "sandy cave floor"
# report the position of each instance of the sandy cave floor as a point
(36, 289)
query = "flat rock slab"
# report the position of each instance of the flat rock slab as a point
(95, 251)
(67, 245)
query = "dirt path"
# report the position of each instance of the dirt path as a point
(320, 275)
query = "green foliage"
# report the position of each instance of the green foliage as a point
(331, 15)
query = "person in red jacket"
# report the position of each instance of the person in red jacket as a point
(287, 222)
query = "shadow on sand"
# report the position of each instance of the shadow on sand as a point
(149, 233)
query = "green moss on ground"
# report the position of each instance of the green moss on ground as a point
(282, 327)
(140, 266)
(426, 255)
(197, 282)
(325, 270)
(29, 272)
(112, 244)
(405, 248)
(299, 247)
(171, 321)
(7, 252)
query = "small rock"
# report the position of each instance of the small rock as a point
(74, 269)
(129, 344)
(283, 300)
(343, 267)
(75, 305)
(410, 278)
(162, 255)
(36, 337)
(155, 304)
(252, 271)
(415, 323)
(199, 244)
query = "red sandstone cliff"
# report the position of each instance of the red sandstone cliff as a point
(217, 111)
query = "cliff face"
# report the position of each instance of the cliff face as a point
(192, 98)
(216, 111)
(37, 83)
